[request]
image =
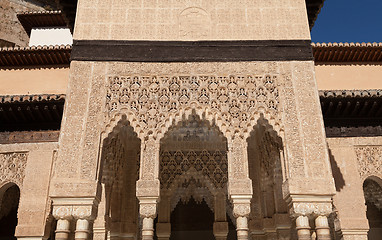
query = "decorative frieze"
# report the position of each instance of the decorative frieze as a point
(12, 167)
(154, 102)
(369, 160)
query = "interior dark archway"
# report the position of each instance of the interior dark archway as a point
(373, 199)
(119, 173)
(191, 221)
(8, 212)
(193, 175)
(266, 170)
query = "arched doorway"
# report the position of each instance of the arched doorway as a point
(192, 220)
(193, 176)
(10, 196)
(373, 198)
(118, 210)
(269, 216)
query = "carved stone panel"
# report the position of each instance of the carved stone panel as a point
(369, 160)
(12, 167)
(154, 102)
(194, 23)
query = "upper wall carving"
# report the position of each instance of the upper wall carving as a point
(12, 168)
(233, 103)
(194, 23)
(369, 161)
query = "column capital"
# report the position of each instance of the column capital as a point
(77, 208)
(148, 207)
(310, 206)
(241, 207)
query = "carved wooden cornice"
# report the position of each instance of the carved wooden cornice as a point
(31, 112)
(335, 53)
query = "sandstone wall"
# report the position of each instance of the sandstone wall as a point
(29, 166)
(353, 160)
(191, 20)
(34, 81)
(348, 76)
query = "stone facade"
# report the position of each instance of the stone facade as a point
(139, 140)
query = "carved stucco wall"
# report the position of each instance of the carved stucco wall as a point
(12, 168)
(191, 20)
(99, 93)
(353, 160)
(29, 165)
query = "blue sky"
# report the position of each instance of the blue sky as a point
(349, 21)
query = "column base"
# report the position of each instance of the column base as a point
(355, 234)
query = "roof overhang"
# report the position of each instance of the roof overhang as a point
(31, 112)
(35, 56)
(365, 53)
(40, 19)
(313, 8)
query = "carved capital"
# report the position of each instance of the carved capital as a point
(83, 212)
(77, 208)
(148, 210)
(241, 210)
(241, 206)
(310, 206)
(62, 212)
(315, 209)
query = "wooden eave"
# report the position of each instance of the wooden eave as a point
(35, 56)
(38, 19)
(351, 108)
(313, 8)
(31, 112)
(324, 53)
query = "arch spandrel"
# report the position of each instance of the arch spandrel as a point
(234, 103)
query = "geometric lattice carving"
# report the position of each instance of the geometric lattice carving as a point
(154, 100)
(212, 164)
(369, 161)
(12, 167)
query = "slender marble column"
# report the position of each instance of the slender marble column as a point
(62, 229)
(82, 229)
(322, 228)
(148, 228)
(242, 228)
(303, 228)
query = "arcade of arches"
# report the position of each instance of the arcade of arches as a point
(197, 119)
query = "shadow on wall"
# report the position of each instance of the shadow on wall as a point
(339, 180)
